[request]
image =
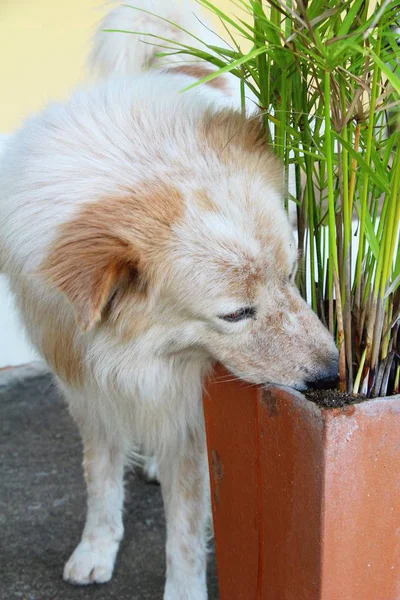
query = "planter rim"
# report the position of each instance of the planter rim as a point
(369, 406)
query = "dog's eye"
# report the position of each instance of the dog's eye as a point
(243, 313)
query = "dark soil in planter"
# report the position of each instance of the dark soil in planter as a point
(333, 398)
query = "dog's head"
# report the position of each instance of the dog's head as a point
(200, 262)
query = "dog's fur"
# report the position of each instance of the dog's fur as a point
(133, 218)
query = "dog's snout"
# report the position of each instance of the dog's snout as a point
(323, 383)
(327, 379)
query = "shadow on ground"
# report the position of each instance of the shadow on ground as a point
(42, 507)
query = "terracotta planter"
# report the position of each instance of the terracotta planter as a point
(306, 501)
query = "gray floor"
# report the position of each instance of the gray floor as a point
(42, 503)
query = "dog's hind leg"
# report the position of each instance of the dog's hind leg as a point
(183, 476)
(94, 558)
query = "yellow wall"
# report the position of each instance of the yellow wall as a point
(44, 44)
(43, 48)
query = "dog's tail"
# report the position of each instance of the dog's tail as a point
(132, 53)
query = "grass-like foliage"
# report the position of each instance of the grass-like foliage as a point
(327, 78)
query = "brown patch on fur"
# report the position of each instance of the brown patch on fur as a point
(109, 241)
(241, 141)
(57, 338)
(245, 279)
(230, 128)
(63, 352)
(126, 311)
(86, 262)
(205, 202)
(295, 303)
(281, 257)
(199, 72)
(272, 240)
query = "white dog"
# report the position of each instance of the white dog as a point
(142, 232)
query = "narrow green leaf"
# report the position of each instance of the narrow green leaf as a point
(227, 68)
(349, 19)
(379, 181)
(370, 233)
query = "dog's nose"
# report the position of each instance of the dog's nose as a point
(325, 383)
(327, 379)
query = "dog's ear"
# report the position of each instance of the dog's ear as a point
(110, 242)
(242, 140)
(86, 263)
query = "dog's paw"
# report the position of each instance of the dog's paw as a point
(91, 562)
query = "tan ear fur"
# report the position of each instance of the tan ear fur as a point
(111, 241)
(86, 264)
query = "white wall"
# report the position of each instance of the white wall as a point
(14, 346)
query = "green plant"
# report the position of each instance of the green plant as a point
(326, 76)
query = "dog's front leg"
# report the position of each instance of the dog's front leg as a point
(94, 558)
(184, 479)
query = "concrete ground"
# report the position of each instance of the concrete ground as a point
(42, 505)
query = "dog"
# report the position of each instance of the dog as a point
(143, 235)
